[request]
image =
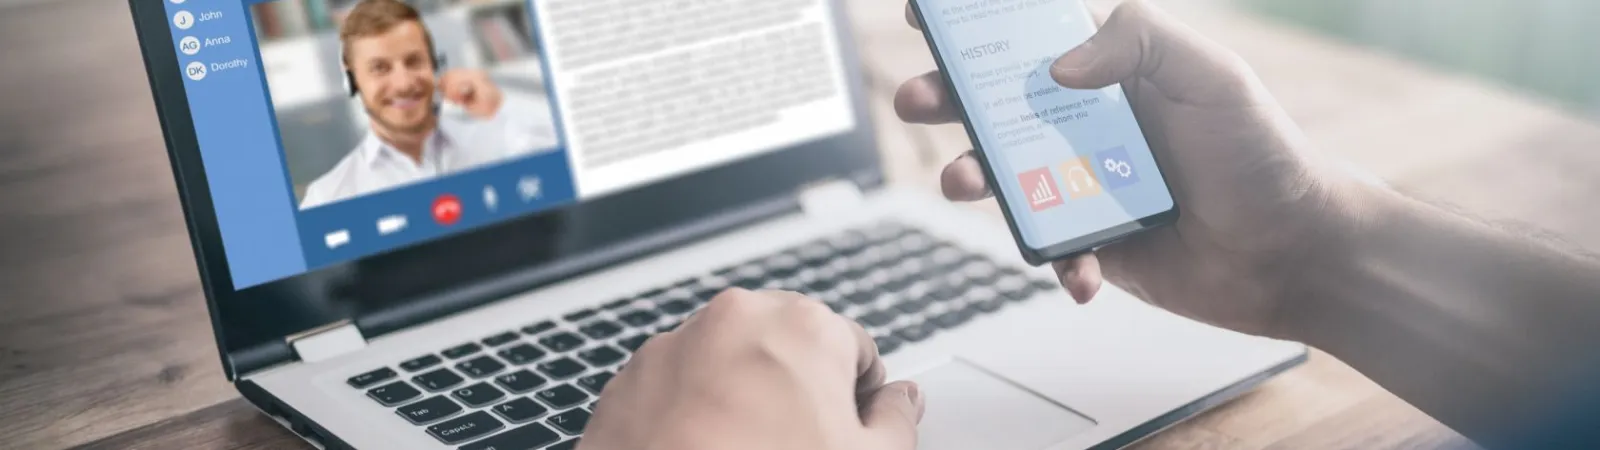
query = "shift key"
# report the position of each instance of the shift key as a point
(527, 437)
(465, 428)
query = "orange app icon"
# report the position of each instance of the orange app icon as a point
(1080, 180)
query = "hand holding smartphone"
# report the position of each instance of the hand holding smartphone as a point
(1072, 169)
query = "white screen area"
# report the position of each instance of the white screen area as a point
(654, 89)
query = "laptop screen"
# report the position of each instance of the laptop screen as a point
(331, 130)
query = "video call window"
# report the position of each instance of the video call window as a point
(371, 95)
(372, 125)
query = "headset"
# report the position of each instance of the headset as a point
(1088, 180)
(435, 58)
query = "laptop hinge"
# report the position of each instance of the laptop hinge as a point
(828, 196)
(326, 342)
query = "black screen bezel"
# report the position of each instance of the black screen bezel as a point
(405, 286)
(1060, 250)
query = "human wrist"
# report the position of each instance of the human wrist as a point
(1341, 213)
(1315, 296)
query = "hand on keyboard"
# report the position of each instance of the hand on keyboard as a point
(752, 369)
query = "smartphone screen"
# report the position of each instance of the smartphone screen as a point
(1071, 167)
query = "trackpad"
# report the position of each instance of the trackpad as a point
(969, 408)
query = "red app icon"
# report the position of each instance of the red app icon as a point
(1040, 189)
(447, 209)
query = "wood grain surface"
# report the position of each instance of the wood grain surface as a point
(105, 341)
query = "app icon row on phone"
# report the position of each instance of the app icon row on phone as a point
(1081, 177)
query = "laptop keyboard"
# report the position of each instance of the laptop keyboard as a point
(535, 387)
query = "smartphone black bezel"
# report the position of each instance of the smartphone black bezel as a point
(1071, 247)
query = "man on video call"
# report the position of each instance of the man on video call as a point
(392, 64)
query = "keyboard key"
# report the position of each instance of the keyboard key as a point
(562, 397)
(675, 294)
(1014, 287)
(500, 339)
(981, 293)
(887, 344)
(916, 333)
(677, 307)
(371, 378)
(632, 343)
(421, 362)
(520, 410)
(687, 283)
(461, 350)
(838, 306)
(579, 315)
(568, 445)
(847, 241)
(916, 244)
(953, 319)
(781, 264)
(990, 305)
(595, 382)
(438, 380)
(520, 381)
(884, 231)
(602, 356)
(814, 253)
(477, 395)
(465, 428)
(640, 318)
(617, 304)
(561, 368)
(393, 393)
(945, 259)
(562, 341)
(912, 306)
(480, 367)
(1046, 285)
(947, 291)
(529, 437)
(862, 297)
(877, 318)
(983, 299)
(747, 272)
(428, 411)
(899, 282)
(705, 293)
(980, 271)
(669, 326)
(651, 294)
(539, 327)
(601, 329)
(522, 353)
(570, 422)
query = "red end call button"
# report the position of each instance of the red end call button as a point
(447, 209)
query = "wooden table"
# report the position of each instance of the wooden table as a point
(104, 336)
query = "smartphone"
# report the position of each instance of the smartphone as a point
(1072, 169)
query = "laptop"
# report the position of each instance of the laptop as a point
(651, 154)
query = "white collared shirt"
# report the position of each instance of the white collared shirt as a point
(458, 143)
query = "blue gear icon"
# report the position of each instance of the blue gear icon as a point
(1121, 168)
